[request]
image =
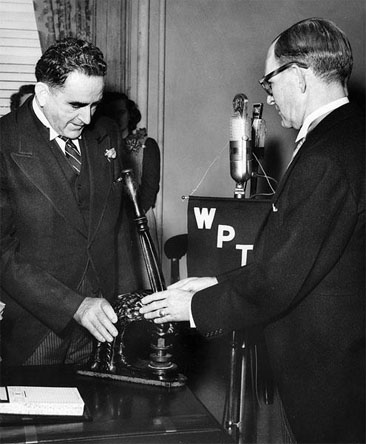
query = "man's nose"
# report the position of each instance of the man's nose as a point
(85, 114)
(270, 100)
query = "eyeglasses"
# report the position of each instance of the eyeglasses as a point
(264, 81)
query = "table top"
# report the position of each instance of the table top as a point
(121, 412)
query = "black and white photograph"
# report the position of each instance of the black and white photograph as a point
(182, 221)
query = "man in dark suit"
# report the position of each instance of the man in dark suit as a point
(306, 284)
(59, 210)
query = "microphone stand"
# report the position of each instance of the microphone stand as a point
(243, 354)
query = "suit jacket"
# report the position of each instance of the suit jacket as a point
(306, 286)
(46, 245)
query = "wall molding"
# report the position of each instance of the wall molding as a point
(145, 62)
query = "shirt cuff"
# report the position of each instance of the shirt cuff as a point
(191, 320)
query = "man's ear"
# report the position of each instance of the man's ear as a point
(42, 92)
(301, 78)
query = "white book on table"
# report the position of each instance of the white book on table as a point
(29, 400)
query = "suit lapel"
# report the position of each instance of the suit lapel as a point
(286, 175)
(100, 175)
(39, 164)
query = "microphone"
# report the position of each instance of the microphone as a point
(240, 144)
(258, 138)
(258, 130)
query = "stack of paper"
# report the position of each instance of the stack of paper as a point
(28, 400)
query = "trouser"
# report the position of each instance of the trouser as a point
(272, 425)
(75, 348)
(287, 435)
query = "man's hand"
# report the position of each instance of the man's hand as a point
(97, 316)
(167, 306)
(174, 304)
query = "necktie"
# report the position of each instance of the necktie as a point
(72, 154)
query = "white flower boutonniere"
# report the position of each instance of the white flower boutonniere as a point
(110, 154)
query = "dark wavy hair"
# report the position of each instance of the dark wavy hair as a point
(106, 108)
(321, 45)
(15, 98)
(67, 56)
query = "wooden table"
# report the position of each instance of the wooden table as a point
(121, 412)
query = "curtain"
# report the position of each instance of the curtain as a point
(57, 19)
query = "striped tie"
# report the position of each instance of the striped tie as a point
(72, 154)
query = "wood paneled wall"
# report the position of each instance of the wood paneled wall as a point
(131, 34)
(111, 30)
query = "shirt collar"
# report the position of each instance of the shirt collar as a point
(39, 113)
(312, 117)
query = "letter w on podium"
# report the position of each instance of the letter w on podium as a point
(221, 233)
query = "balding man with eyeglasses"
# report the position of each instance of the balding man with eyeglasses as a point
(306, 285)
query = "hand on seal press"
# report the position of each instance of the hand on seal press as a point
(98, 316)
(174, 304)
